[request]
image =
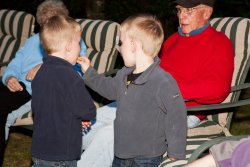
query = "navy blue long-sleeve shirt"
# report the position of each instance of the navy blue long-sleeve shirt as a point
(60, 102)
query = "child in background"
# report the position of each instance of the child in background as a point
(230, 153)
(60, 100)
(151, 115)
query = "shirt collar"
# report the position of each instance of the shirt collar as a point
(145, 74)
(194, 32)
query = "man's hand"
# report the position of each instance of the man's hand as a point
(32, 72)
(13, 84)
(84, 63)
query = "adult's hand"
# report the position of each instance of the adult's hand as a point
(32, 72)
(13, 84)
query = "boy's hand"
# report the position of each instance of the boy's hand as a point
(86, 124)
(84, 63)
(172, 158)
(32, 72)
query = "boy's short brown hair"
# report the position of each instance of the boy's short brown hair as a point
(57, 31)
(147, 29)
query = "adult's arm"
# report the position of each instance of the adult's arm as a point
(15, 65)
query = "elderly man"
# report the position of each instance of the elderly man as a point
(198, 57)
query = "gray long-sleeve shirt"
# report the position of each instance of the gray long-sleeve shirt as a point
(151, 114)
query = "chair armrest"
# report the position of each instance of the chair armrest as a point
(224, 105)
(240, 87)
(219, 106)
(206, 145)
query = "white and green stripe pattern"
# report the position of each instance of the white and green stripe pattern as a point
(15, 28)
(192, 144)
(238, 31)
(100, 37)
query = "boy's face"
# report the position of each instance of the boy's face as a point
(127, 50)
(75, 49)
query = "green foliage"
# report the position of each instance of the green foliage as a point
(231, 8)
(76, 8)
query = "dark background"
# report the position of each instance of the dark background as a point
(118, 10)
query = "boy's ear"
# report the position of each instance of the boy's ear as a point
(68, 46)
(135, 45)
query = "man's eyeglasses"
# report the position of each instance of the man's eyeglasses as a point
(187, 11)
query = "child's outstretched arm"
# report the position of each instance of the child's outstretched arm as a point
(84, 63)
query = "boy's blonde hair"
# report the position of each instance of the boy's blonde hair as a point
(147, 29)
(57, 31)
(49, 8)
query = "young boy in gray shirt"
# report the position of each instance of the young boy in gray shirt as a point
(151, 114)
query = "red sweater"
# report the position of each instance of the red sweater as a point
(201, 64)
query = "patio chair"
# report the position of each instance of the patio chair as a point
(15, 28)
(101, 39)
(218, 122)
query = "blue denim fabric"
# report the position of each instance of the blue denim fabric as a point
(43, 163)
(98, 140)
(192, 121)
(137, 162)
(14, 115)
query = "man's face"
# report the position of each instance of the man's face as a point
(193, 18)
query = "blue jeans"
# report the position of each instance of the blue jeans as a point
(137, 162)
(192, 121)
(14, 115)
(43, 163)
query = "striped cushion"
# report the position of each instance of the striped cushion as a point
(100, 37)
(237, 29)
(15, 28)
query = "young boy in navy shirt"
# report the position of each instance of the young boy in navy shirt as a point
(60, 100)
